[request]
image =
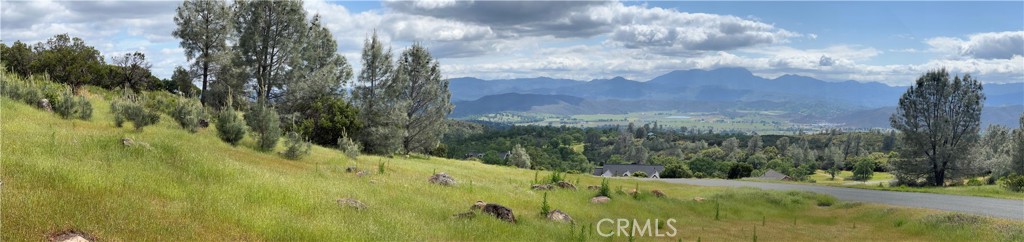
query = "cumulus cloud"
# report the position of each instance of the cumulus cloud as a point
(992, 45)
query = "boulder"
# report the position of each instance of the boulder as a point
(44, 104)
(559, 216)
(500, 212)
(71, 236)
(478, 205)
(442, 179)
(351, 202)
(361, 173)
(351, 169)
(565, 185)
(600, 199)
(540, 187)
(658, 193)
(698, 199)
(593, 187)
(633, 192)
(127, 141)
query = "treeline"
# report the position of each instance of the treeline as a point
(282, 70)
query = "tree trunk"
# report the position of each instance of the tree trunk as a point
(206, 73)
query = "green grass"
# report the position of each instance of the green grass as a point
(71, 174)
(846, 178)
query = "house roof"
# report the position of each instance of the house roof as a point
(772, 175)
(632, 168)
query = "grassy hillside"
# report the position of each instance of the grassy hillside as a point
(71, 174)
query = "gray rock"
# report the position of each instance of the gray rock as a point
(500, 212)
(45, 105)
(593, 187)
(540, 187)
(351, 169)
(566, 185)
(351, 202)
(466, 215)
(442, 179)
(600, 199)
(559, 216)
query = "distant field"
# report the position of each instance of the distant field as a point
(880, 181)
(763, 122)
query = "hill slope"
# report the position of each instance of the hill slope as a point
(71, 174)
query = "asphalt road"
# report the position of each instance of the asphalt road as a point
(1004, 208)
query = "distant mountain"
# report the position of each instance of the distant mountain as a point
(724, 85)
(1008, 116)
(510, 102)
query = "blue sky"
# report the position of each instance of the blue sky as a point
(888, 42)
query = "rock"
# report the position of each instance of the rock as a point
(71, 236)
(45, 105)
(127, 141)
(478, 205)
(466, 215)
(658, 193)
(559, 216)
(500, 212)
(565, 185)
(698, 199)
(203, 123)
(351, 202)
(600, 199)
(633, 192)
(442, 179)
(361, 173)
(540, 187)
(593, 187)
(351, 169)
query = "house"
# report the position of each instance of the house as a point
(610, 170)
(506, 155)
(474, 155)
(774, 175)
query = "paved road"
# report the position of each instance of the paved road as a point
(1004, 208)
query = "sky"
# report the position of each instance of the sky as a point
(887, 42)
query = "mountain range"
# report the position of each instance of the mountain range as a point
(704, 90)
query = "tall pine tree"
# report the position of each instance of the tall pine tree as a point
(428, 98)
(376, 94)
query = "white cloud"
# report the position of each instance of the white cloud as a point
(991, 45)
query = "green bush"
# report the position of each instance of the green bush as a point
(296, 146)
(326, 119)
(605, 190)
(349, 147)
(974, 182)
(824, 200)
(69, 106)
(555, 177)
(1013, 183)
(639, 174)
(130, 110)
(264, 122)
(676, 170)
(188, 112)
(863, 170)
(740, 170)
(230, 128)
(544, 207)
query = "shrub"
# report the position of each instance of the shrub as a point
(544, 207)
(349, 147)
(128, 109)
(824, 200)
(230, 128)
(605, 190)
(325, 119)
(555, 177)
(676, 170)
(188, 112)
(69, 106)
(296, 146)
(974, 182)
(263, 121)
(863, 170)
(639, 174)
(1013, 183)
(740, 170)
